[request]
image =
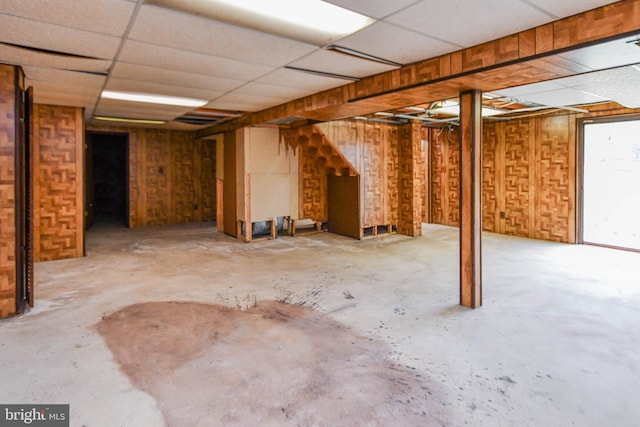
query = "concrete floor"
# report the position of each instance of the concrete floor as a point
(555, 344)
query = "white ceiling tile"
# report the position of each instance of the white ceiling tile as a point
(151, 87)
(563, 97)
(396, 44)
(606, 55)
(86, 15)
(602, 76)
(336, 63)
(24, 32)
(564, 8)
(171, 77)
(468, 23)
(236, 106)
(282, 93)
(25, 57)
(523, 91)
(175, 59)
(248, 98)
(197, 34)
(63, 77)
(625, 91)
(373, 9)
(297, 79)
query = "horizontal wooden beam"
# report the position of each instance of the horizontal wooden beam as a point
(526, 57)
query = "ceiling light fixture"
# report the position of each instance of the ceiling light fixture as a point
(313, 14)
(153, 99)
(454, 110)
(361, 55)
(125, 120)
(312, 21)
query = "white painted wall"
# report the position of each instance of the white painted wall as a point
(268, 176)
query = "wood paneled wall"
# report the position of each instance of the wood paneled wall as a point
(528, 177)
(444, 145)
(7, 191)
(172, 176)
(313, 186)
(229, 185)
(58, 165)
(411, 182)
(373, 149)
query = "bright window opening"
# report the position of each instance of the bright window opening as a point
(611, 192)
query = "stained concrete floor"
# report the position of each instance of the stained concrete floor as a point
(555, 344)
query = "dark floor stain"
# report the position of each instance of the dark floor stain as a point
(274, 364)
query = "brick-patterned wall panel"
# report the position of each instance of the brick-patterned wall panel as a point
(411, 177)
(445, 158)
(156, 177)
(516, 177)
(392, 170)
(554, 175)
(136, 189)
(453, 177)
(170, 172)
(445, 176)
(58, 174)
(438, 183)
(528, 173)
(372, 176)
(207, 156)
(372, 148)
(313, 186)
(491, 145)
(183, 176)
(426, 136)
(7, 192)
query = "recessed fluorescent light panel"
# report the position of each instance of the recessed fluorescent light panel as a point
(454, 110)
(125, 120)
(311, 21)
(153, 99)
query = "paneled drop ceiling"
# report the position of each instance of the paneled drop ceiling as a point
(72, 50)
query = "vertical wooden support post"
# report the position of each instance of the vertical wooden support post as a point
(470, 198)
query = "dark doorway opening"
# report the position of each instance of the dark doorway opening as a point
(107, 186)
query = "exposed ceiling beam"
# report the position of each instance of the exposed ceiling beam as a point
(526, 57)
